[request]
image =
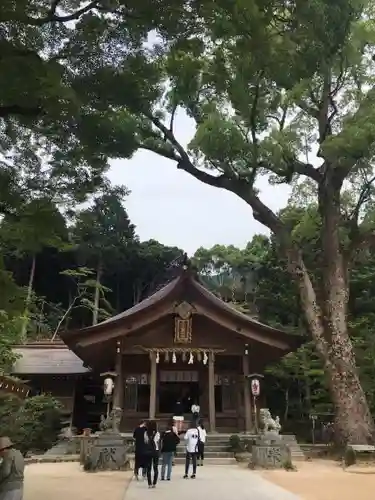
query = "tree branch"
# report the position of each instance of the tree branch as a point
(357, 237)
(238, 186)
(15, 109)
(173, 114)
(297, 167)
(362, 198)
(51, 16)
(346, 154)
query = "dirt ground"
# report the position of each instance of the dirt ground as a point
(326, 480)
(62, 481)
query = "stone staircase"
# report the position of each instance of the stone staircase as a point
(295, 449)
(216, 451)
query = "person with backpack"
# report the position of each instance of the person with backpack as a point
(169, 444)
(202, 440)
(151, 452)
(192, 442)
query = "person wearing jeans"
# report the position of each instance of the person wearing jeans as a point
(169, 444)
(192, 440)
(190, 457)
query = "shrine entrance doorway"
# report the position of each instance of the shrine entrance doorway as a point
(178, 385)
(171, 392)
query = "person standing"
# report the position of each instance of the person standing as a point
(139, 456)
(173, 426)
(195, 409)
(201, 443)
(11, 471)
(152, 450)
(169, 444)
(192, 439)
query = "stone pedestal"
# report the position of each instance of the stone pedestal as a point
(270, 452)
(107, 452)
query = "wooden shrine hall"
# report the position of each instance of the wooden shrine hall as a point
(182, 344)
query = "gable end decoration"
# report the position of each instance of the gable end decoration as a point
(183, 323)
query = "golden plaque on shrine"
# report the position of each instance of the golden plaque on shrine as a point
(183, 324)
(182, 331)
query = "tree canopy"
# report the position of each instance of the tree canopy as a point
(277, 89)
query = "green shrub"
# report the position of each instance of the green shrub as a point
(350, 457)
(235, 444)
(33, 424)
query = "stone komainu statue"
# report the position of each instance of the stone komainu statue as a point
(268, 423)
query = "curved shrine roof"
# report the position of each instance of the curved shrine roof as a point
(183, 288)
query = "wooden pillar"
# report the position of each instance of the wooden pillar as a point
(211, 392)
(247, 396)
(118, 395)
(152, 409)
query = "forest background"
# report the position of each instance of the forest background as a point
(62, 272)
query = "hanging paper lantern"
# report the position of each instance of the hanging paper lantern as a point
(205, 358)
(157, 357)
(191, 359)
(174, 359)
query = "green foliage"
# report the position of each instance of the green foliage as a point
(67, 71)
(9, 336)
(235, 443)
(66, 291)
(349, 457)
(33, 424)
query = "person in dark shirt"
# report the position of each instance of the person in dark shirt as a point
(139, 452)
(169, 444)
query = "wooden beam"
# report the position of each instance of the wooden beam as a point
(153, 385)
(247, 397)
(211, 392)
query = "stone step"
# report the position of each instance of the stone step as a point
(211, 461)
(209, 454)
(180, 460)
(211, 447)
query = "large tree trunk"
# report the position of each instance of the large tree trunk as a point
(353, 418)
(354, 422)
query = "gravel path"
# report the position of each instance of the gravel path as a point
(212, 482)
(66, 481)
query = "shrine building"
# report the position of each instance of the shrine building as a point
(180, 344)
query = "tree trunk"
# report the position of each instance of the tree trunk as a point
(30, 287)
(353, 418)
(95, 313)
(286, 409)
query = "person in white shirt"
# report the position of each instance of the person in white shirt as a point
(202, 439)
(195, 409)
(192, 439)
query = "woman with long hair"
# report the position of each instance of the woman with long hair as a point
(152, 451)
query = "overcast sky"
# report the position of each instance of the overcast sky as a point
(174, 208)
